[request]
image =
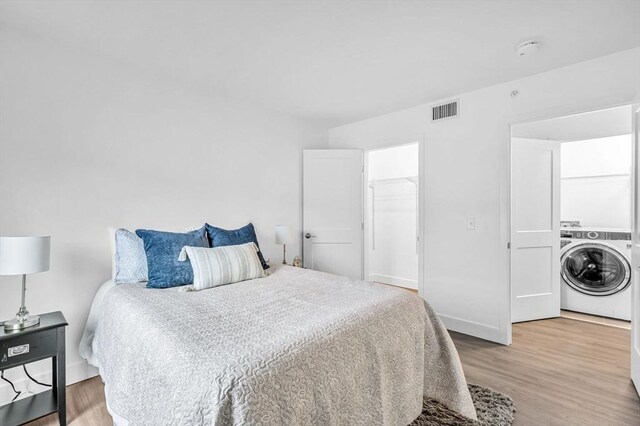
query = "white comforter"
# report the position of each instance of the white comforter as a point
(296, 348)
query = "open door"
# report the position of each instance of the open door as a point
(635, 284)
(535, 229)
(332, 209)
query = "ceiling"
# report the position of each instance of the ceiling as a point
(335, 62)
(589, 125)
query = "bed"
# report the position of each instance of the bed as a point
(298, 347)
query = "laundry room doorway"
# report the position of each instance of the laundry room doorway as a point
(572, 215)
(573, 221)
(392, 216)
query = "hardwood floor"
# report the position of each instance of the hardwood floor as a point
(412, 290)
(559, 372)
(85, 406)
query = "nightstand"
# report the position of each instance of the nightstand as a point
(17, 348)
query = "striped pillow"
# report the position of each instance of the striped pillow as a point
(223, 265)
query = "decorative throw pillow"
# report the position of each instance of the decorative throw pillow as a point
(223, 265)
(219, 237)
(130, 257)
(162, 250)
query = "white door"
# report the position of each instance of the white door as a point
(332, 209)
(635, 284)
(535, 229)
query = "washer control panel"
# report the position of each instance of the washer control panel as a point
(595, 235)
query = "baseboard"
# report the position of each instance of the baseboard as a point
(387, 279)
(76, 372)
(472, 328)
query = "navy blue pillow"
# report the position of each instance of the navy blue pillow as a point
(219, 237)
(163, 249)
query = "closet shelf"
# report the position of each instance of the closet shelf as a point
(607, 175)
(412, 179)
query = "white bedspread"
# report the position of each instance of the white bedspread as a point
(296, 348)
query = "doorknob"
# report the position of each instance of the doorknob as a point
(308, 235)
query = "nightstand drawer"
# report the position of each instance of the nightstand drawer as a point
(28, 348)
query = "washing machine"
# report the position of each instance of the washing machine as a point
(596, 271)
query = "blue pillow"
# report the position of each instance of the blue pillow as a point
(163, 250)
(219, 237)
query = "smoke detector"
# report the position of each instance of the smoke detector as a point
(528, 48)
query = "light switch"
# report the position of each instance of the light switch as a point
(471, 223)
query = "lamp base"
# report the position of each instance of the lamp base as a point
(16, 324)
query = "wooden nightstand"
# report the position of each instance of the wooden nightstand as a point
(17, 348)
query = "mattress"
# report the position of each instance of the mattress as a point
(297, 347)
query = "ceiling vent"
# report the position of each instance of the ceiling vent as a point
(448, 110)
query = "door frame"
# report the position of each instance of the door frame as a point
(420, 140)
(635, 281)
(530, 118)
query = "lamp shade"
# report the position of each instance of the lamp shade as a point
(24, 255)
(283, 233)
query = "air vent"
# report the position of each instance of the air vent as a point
(440, 112)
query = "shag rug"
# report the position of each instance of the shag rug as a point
(492, 408)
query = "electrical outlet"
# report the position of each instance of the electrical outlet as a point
(471, 223)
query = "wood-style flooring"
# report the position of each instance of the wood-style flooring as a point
(559, 372)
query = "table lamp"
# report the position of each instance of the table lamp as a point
(22, 256)
(282, 238)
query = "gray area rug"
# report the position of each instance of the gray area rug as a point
(492, 408)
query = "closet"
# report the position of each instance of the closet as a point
(392, 216)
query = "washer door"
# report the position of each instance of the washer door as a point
(596, 269)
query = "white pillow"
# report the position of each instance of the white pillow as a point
(130, 259)
(112, 246)
(223, 265)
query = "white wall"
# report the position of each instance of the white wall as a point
(596, 182)
(87, 144)
(467, 175)
(589, 125)
(395, 162)
(392, 216)
(597, 157)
